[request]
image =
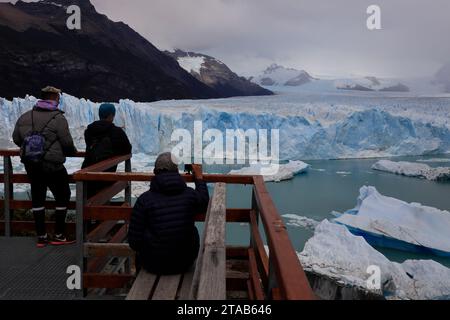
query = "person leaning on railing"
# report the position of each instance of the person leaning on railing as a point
(44, 138)
(104, 140)
(162, 227)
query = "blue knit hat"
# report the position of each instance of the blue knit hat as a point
(106, 110)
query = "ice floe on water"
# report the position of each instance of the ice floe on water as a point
(343, 173)
(435, 160)
(413, 169)
(274, 173)
(390, 222)
(300, 221)
(336, 253)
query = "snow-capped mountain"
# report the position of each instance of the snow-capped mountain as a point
(104, 61)
(443, 77)
(371, 84)
(216, 75)
(276, 75)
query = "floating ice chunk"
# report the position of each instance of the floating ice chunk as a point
(274, 172)
(435, 160)
(299, 221)
(390, 222)
(412, 169)
(336, 253)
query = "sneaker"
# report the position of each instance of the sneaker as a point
(61, 240)
(42, 241)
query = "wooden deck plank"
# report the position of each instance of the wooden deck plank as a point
(167, 287)
(212, 284)
(212, 279)
(143, 286)
(185, 289)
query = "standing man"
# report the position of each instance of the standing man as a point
(44, 139)
(104, 140)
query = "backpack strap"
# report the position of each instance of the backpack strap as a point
(48, 122)
(56, 139)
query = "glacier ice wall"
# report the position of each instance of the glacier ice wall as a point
(310, 127)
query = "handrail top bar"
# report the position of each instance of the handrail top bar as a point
(104, 165)
(146, 177)
(16, 153)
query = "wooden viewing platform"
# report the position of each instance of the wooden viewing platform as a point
(108, 264)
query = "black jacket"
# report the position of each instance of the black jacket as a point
(162, 228)
(121, 144)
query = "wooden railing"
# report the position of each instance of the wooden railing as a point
(9, 203)
(276, 274)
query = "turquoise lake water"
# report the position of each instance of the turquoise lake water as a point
(333, 185)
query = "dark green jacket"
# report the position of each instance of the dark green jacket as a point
(57, 135)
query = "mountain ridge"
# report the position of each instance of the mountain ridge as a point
(104, 61)
(216, 74)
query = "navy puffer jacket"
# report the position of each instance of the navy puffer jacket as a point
(162, 228)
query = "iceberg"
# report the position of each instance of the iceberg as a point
(272, 172)
(412, 169)
(389, 222)
(337, 254)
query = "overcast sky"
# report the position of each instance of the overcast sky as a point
(322, 37)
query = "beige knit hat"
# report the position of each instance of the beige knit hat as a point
(50, 89)
(166, 162)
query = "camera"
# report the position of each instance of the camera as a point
(188, 168)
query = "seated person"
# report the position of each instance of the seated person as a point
(162, 228)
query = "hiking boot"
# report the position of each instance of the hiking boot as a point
(42, 241)
(61, 240)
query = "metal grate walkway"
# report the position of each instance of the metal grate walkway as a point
(28, 273)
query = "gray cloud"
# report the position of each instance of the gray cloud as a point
(323, 37)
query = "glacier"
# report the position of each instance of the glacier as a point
(389, 222)
(312, 126)
(412, 169)
(336, 253)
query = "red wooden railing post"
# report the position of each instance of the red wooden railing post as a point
(8, 191)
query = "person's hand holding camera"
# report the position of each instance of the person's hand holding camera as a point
(197, 171)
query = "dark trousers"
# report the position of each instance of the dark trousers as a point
(58, 183)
